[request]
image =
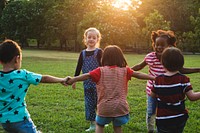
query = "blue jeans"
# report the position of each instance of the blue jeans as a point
(151, 113)
(26, 126)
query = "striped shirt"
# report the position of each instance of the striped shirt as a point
(112, 89)
(170, 96)
(155, 69)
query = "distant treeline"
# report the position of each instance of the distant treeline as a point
(60, 24)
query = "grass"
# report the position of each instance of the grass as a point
(58, 109)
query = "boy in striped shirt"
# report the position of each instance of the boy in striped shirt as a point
(170, 90)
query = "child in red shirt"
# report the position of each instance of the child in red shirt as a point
(112, 88)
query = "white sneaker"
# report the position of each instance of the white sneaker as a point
(106, 125)
(92, 128)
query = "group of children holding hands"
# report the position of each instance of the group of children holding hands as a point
(105, 75)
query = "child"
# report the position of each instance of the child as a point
(170, 90)
(160, 40)
(14, 83)
(89, 59)
(112, 88)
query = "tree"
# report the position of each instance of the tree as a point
(191, 38)
(152, 24)
(117, 27)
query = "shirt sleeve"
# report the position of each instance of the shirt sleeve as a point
(188, 85)
(33, 78)
(95, 74)
(99, 56)
(129, 73)
(79, 65)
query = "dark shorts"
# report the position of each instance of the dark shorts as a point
(174, 125)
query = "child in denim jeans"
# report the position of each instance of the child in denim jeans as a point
(160, 40)
(14, 83)
(170, 90)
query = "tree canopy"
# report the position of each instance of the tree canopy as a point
(64, 21)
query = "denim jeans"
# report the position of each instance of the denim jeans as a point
(26, 126)
(151, 110)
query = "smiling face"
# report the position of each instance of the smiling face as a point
(91, 39)
(160, 45)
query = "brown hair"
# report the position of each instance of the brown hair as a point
(172, 59)
(8, 50)
(168, 35)
(112, 56)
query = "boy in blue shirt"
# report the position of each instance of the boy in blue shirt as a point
(14, 83)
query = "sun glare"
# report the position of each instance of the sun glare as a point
(127, 4)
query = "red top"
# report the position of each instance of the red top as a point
(112, 88)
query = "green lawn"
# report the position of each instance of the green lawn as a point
(58, 109)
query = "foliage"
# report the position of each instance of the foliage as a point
(64, 21)
(192, 40)
(115, 25)
(152, 24)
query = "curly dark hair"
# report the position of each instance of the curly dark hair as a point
(168, 35)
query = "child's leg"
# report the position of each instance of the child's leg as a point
(90, 107)
(117, 129)
(99, 129)
(150, 116)
(118, 122)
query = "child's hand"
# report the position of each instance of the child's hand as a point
(69, 80)
(74, 85)
(65, 81)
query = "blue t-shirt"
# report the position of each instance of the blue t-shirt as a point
(13, 89)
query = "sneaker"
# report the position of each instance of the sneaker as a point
(92, 128)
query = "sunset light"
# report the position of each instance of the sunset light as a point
(127, 4)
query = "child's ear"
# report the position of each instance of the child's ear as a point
(17, 58)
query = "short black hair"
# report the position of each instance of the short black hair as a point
(8, 50)
(112, 56)
(172, 59)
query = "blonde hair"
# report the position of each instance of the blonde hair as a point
(98, 35)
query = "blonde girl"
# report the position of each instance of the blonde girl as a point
(89, 59)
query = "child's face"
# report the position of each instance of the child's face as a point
(91, 39)
(160, 45)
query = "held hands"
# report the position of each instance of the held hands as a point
(70, 81)
(65, 80)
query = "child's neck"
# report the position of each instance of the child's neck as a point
(168, 73)
(90, 48)
(8, 67)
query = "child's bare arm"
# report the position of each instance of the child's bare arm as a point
(141, 75)
(193, 96)
(51, 79)
(189, 70)
(139, 66)
(78, 78)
